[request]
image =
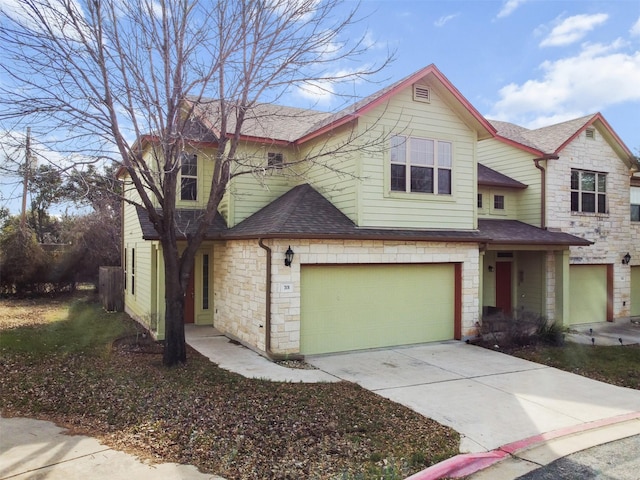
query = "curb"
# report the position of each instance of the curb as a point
(469, 463)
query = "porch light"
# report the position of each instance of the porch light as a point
(626, 259)
(288, 257)
(491, 268)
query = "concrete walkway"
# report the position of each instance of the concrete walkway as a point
(34, 449)
(236, 358)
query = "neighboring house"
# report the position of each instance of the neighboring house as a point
(578, 182)
(635, 239)
(405, 239)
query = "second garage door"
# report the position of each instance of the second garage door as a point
(635, 291)
(588, 293)
(367, 306)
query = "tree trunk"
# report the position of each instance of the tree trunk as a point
(175, 349)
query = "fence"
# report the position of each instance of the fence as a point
(111, 289)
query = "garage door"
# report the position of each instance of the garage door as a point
(366, 306)
(635, 291)
(588, 294)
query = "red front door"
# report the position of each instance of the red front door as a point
(189, 302)
(503, 286)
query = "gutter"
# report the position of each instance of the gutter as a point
(543, 187)
(267, 324)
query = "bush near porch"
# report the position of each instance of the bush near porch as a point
(529, 336)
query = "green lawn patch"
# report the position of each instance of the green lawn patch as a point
(618, 365)
(67, 368)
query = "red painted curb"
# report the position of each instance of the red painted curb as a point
(460, 465)
(514, 447)
(470, 463)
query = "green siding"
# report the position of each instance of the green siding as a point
(436, 120)
(588, 293)
(518, 165)
(530, 281)
(367, 306)
(635, 291)
(335, 176)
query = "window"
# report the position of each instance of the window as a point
(421, 165)
(479, 200)
(588, 192)
(124, 260)
(635, 204)
(275, 160)
(205, 281)
(498, 202)
(189, 177)
(133, 271)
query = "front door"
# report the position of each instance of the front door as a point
(503, 287)
(189, 296)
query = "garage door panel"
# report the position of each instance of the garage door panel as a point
(635, 291)
(367, 306)
(588, 293)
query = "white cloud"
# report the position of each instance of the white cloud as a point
(573, 29)
(509, 7)
(599, 76)
(635, 30)
(444, 19)
(318, 92)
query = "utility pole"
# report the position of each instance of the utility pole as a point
(27, 168)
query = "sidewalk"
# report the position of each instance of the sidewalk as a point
(35, 449)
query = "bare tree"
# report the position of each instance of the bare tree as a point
(112, 72)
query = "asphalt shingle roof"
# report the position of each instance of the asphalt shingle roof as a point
(546, 139)
(186, 223)
(303, 212)
(492, 178)
(515, 232)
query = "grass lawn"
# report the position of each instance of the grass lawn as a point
(58, 361)
(619, 365)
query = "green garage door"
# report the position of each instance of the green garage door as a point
(366, 306)
(588, 293)
(635, 291)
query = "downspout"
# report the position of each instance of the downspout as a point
(267, 324)
(543, 187)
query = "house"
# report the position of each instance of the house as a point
(403, 224)
(578, 181)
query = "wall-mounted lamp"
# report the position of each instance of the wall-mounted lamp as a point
(491, 268)
(626, 259)
(288, 257)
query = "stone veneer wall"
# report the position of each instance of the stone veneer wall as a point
(240, 279)
(610, 232)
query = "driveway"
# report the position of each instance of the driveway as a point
(490, 398)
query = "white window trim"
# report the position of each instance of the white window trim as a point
(579, 191)
(407, 164)
(195, 177)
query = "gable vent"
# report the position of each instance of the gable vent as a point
(590, 133)
(421, 94)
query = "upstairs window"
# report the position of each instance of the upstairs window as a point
(588, 192)
(189, 177)
(479, 200)
(635, 204)
(275, 160)
(498, 202)
(420, 165)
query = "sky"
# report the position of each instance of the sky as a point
(529, 62)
